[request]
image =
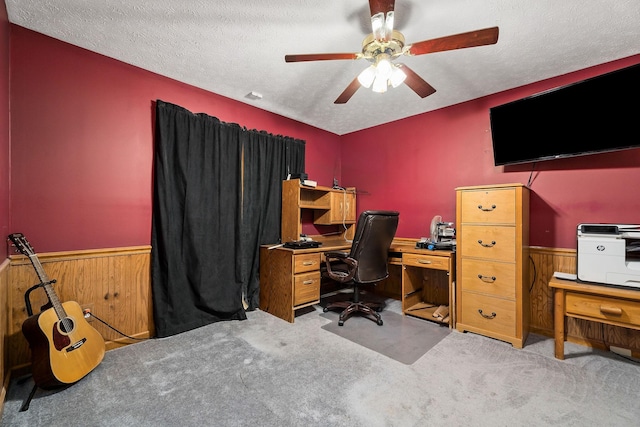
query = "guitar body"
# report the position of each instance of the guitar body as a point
(63, 350)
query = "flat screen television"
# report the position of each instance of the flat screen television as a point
(596, 115)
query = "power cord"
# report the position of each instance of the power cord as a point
(90, 314)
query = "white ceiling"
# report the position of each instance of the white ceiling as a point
(235, 47)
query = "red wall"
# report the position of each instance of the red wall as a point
(82, 148)
(4, 128)
(414, 166)
(82, 143)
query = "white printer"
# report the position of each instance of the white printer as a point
(609, 254)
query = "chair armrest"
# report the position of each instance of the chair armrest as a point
(340, 275)
(335, 255)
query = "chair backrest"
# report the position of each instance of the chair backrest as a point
(374, 232)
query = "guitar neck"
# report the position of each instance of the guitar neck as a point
(48, 288)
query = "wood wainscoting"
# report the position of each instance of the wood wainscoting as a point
(114, 284)
(543, 263)
(4, 368)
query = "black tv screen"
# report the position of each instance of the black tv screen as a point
(592, 116)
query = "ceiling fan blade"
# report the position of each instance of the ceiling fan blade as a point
(458, 41)
(416, 83)
(320, 56)
(348, 92)
(383, 6)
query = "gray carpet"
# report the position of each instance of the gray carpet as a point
(401, 338)
(267, 372)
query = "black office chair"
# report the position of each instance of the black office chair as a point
(366, 264)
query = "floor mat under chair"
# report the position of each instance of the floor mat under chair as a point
(402, 338)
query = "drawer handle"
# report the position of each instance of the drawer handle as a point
(308, 263)
(488, 279)
(487, 209)
(615, 311)
(487, 245)
(424, 261)
(486, 316)
(308, 282)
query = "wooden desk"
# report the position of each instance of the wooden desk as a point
(598, 303)
(290, 279)
(428, 280)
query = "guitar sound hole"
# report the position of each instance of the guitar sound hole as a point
(66, 325)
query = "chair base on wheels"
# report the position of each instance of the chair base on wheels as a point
(368, 308)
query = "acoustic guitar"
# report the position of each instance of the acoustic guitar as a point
(64, 347)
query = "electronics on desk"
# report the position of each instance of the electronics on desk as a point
(609, 254)
(442, 236)
(304, 243)
(304, 179)
(424, 243)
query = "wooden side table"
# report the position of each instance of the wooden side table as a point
(598, 303)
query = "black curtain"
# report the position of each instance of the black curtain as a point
(268, 160)
(217, 197)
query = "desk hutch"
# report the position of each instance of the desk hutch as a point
(329, 206)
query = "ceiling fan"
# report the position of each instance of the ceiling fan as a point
(384, 45)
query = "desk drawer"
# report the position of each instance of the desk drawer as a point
(306, 262)
(597, 307)
(306, 288)
(488, 277)
(489, 242)
(498, 315)
(489, 206)
(426, 261)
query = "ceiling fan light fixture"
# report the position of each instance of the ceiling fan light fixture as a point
(385, 45)
(397, 76)
(383, 67)
(380, 84)
(367, 75)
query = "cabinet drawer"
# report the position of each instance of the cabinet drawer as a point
(489, 206)
(489, 242)
(617, 310)
(306, 288)
(489, 313)
(428, 261)
(488, 277)
(306, 262)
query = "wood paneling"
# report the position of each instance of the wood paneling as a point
(543, 263)
(115, 284)
(4, 369)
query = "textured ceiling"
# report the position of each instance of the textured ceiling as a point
(235, 47)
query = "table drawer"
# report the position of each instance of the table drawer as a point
(489, 313)
(489, 206)
(613, 309)
(489, 242)
(306, 288)
(426, 261)
(306, 262)
(487, 277)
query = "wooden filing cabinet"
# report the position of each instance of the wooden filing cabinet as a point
(492, 296)
(289, 280)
